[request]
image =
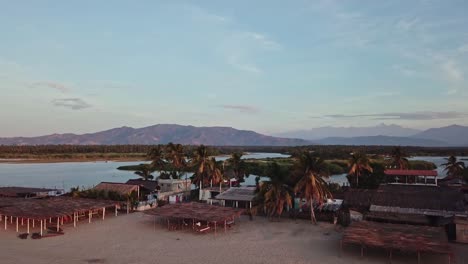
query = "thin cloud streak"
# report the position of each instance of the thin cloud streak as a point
(402, 116)
(53, 85)
(241, 108)
(71, 103)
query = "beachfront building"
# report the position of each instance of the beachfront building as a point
(426, 177)
(29, 192)
(409, 204)
(174, 190)
(135, 196)
(238, 197)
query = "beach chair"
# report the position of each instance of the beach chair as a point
(202, 229)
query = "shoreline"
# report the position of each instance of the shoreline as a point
(77, 160)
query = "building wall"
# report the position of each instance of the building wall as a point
(462, 230)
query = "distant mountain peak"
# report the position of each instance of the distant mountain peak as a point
(161, 134)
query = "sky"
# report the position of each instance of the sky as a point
(269, 66)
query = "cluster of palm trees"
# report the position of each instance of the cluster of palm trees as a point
(305, 181)
(173, 161)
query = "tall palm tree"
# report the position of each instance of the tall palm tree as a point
(145, 172)
(156, 156)
(275, 194)
(359, 163)
(175, 155)
(311, 186)
(399, 158)
(238, 166)
(200, 162)
(215, 174)
(453, 167)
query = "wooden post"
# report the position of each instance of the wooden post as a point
(61, 220)
(58, 224)
(89, 216)
(22, 222)
(224, 225)
(34, 223)
(11, 219)
(6, 222)
(41, 227)
(28, 225)
(50, 220)
(116, 210)
(75, 216)
(17, 225)
(103, 213)
(45, 224)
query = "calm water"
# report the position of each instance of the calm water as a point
(88, 174)
(83, 174)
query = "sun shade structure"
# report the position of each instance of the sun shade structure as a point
(428, 177)
(190, 213)
(121, 188)
(394, 237)
(57, 209)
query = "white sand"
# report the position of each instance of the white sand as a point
(134, 239)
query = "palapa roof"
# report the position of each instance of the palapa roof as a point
(18, 191)
(50, 207)
(413, 219)
(432, 173)
(146, 184)
(398, 237)
(121, 188)
(197, 211)
(246, 194)
(397, 196)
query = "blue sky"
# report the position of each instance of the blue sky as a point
(269, 66)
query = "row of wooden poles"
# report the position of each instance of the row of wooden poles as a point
(390, 256)
(43, 222)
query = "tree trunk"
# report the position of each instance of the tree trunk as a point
(312, 213)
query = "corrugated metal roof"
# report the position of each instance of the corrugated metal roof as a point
(238, 194)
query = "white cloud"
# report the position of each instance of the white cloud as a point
(452, 71)
(463, 48)
(234, 61)
(407, 24)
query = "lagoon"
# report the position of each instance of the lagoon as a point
(83, 174)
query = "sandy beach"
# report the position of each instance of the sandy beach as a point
(135, 239)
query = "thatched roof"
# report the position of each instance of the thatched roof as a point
(121, 188)
(197, 211)
(50, 207)
(146, 184)
(398, 237)
(246, 194)
(413, 219)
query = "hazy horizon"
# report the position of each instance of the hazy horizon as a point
(82, 67)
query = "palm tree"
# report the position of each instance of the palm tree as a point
(311, 185)
(399, 159)
(215, 175)
(275, 194)
(359, 163)
(238, 166)
(200, 162)
(176, 157)
(454, 167)
(145, 172)
(156, 155)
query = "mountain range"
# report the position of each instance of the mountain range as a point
(384, 135)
